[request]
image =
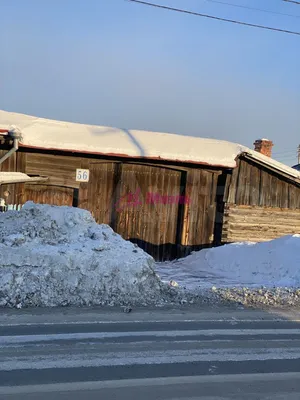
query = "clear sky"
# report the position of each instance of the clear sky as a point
(116, 63)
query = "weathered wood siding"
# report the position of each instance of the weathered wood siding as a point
(118, 193)
(260, 205)
(97, 195)
(61, 170)
(256, 186)
(254, 223)
(142, 218)
(49, 194)
(199, 214)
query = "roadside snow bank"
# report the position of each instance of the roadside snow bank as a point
(51, 256)
(273, 263)
(266, 273)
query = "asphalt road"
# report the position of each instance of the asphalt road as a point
(182, 354)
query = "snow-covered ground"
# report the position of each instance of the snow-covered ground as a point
(51, 256)
(273, 263)
(266, 273)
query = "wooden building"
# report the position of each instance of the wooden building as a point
(170, 194)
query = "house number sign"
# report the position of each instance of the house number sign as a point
(82, 175)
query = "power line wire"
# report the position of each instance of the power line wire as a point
(292, 1)
(145, 3)
(287, 157)
(285, 152)
(253, 8)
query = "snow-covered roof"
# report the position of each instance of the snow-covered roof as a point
(58, 135)
(17, 177)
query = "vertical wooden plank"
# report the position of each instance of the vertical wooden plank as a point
(206, 201)
(241, 183)
(265, 196)
(275, 191)
(297, 198)
(227, 188)
(192, 184)
(254, 186)
(233, 184)
(293, 196)
(176, 208)
(83, 187)
(211, 211)
(204, 184)
(247, 182)
(285, 195)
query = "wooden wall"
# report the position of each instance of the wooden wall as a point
(259, 205)
(166, 229)
(61, 170)
(258, 224)
(199, 216)
(253, 185)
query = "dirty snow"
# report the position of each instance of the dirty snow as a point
(265, 273)
(54, 256)
(269, 264)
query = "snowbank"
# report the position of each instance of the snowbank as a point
(53, 256)
(274, 263)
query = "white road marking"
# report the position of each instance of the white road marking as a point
(83, 386)
(126, 358)
(228, 320)
(5, 340)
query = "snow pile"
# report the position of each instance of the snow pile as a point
(271, 264)
(250, 274)
(54, 256)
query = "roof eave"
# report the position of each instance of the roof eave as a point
(270, 167)
(124, 155)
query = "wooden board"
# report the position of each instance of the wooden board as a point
(146, 209)
(97, 195)
(256, 185)
(61, 170)
(199, 214)
(254, 223)
(48, 194)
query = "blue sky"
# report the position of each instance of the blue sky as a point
(115, 63)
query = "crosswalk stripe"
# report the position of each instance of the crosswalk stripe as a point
(98, 359)
(4, 340)
(124, 383)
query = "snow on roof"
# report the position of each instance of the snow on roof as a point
(17, 177)
(50, 134)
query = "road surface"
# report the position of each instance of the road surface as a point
(160, 354)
